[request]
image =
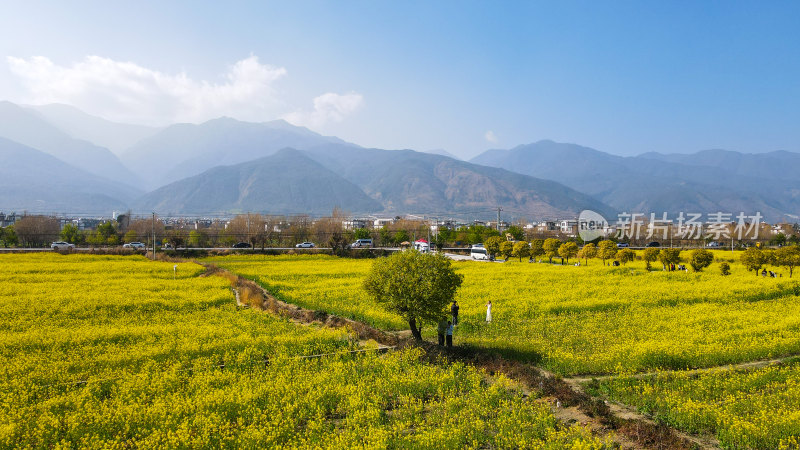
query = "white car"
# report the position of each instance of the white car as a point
(134, 245)
(61, 245)
(305, 245)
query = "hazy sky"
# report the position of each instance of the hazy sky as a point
(624, 77)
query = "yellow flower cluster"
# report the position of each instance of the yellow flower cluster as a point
(744, 409)
(574, 320)
(121, 352)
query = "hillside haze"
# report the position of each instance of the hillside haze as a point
(184, 150)
(115, 136)
(704, 182)
(226, 166)
(287, 182)
(28, 128)
(34, 181)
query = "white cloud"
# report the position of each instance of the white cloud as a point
(328, 108)
(490, 137)
(126, 91)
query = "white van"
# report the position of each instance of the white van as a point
(361, 243)
(422, 246)
(479, 252)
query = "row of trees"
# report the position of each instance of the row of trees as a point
(753, 258)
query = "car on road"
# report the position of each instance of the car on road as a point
(713, 244)
(241, 245)
(361, 243)
(61, 245)
(622, 245)
(653, 244)
(305, 245)
(136, 245)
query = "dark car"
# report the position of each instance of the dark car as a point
(653, 244)
(241, 245)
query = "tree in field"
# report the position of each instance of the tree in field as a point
(197, 238)
(145, 227)
(700, 259)
(417, 286)
(492, 245)
(106, 234)
(606, 250)
(258, 231)
(506, 249)
(770, 258)
(588, 251)
(650, 255)
(778, 239)
(361, 233)
(668, 256)
(337, 242)
(788, 257)
(753, 258)
(130, 236)
(8, 236)
(385, 236)
(537, 248)
(568, 250)
(724, 269)
(401, 236)
(70, 233)
(626, 255)
(37, 231)
(177, 238)
(516, 232)
(551, 248)
(521, 250)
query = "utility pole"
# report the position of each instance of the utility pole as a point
(154, 235)
(498, 218)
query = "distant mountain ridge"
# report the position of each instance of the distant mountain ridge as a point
(410, 181)
(29, 128)
(227, 166)
(34, 181)
(114, 136)
(704, 182)
(287, 182)
(184, 150)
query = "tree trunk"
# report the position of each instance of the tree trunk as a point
(416, 332)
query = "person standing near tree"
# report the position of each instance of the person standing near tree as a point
(441, 330)
(454, 311)
(489, 311)
(449, 334)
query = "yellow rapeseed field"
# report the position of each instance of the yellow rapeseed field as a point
(122, 352)
(743, 408)
(591, 319)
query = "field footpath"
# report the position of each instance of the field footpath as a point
(569, 402)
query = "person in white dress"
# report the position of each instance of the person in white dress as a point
(489, 311)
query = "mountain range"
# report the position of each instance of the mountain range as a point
(58, 159)
(703, 182)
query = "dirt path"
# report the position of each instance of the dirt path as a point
(750, 365)
(569, 403)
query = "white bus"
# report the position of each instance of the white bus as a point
(479, 252)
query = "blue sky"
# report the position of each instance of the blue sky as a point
(624, 77)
